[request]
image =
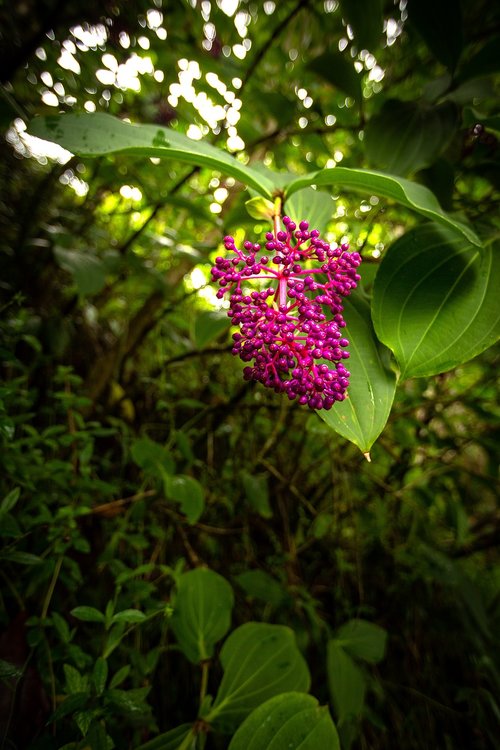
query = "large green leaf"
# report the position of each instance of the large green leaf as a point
(364, 413)
(259, 661)
(315, 206)
(347, 683)
(97, 134)
(338, 70)
(406, 136)
(405, 192)
(202, 613)
(362, 639)
(440, 26)
(435, 300)
(366, 20)
(290, 721)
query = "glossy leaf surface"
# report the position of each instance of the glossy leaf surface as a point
(435, 300)
(98, 134)
(290, 721)
(202, 613)
(403, 191)
(361, 417)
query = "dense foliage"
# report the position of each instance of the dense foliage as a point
(188, 559)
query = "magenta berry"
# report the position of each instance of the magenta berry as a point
(284, 333)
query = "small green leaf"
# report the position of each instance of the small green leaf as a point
(96, 736)
(71, 704)
(152, 457)
(338, 70)
(257, 492)
(96, 134)
(22, 558)
(290, 721)
(100, 675)
(405, 192)
(261, 585)
(129, 616)
(87, 614)
(75, 682)
(347, 684)
(435, 300)
(260, 208)
(202, 612)
(259, 661)
(362, 639)
(366, 19)
(10, 500)
(120, 676)
(188, 492)
(362, 416)
(87, 270)
(9, 671)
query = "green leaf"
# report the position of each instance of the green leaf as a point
(71, 704)
(315, 206)
(88, 614)
(406, 136)
(174, 739)
(208, 325)
(120, 676)
(259, 661)
(261, 585)
(10, 500)
(9, 671)
(484, 62)
(338, 70)
(75, 682)
(287, 722)
(129, 701)
(260, 208)
(188, 492)
(440, 26)
(22, 558)
(435, 300)
(152, 457)
(96, 134)
(129, 616)
(100, 674)
(362, 639)
(347, 683)
(96, 736)
(257, 492)
(366, 19)
(87, 270)
(364, 413)
(405, 192)
(202, 613)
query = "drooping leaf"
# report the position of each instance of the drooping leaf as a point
(362, 639)
(440, 26)
(96, 134)
(202, 613)
(188, 492)
(366, 20)
(362, 416)
(406, 136)
(290, 721)
(88, 271)
(314, 206)
(259, 661)
(405, 192)
(338, 70)
(435, 300)
(347, 683)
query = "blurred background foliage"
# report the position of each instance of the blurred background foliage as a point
(131, 447)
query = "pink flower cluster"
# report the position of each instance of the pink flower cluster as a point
(283, 329)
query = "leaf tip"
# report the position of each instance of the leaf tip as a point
(368, 457)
